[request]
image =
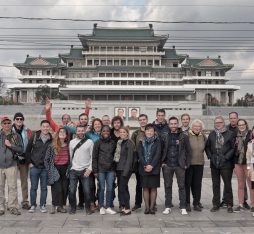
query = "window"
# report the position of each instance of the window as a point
(116, 75)
(30, 73)
(146, 75)
(110, 62)
(101, 74)
(70, 64)
(96, 62)
(131, 75)
(175, 65)
(150, 62)
(103, 62)
(199, 73)
(89, 62)
(142, 49)
(156, 62)
(123, 74)
(143, 62)
(217, 73)
(130, 62)
(39, 72)
(116, 62)
(136, 62)
(123, 62)
(208, 73)
(48, 73)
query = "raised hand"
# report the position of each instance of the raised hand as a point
(88, 102)
(47, 105)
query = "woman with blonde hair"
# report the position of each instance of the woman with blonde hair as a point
(194, 173)
(56, 162)
(124, 159)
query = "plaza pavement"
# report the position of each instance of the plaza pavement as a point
(137, 222)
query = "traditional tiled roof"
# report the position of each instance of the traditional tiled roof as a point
(40, 62)
(171, 54)
(205, 63)
(75, 53)
(123, 34)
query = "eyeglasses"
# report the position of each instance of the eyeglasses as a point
(21, 119)
(6, 123)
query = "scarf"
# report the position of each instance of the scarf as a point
(118, 150)
(219, 139)
(23, 133)
(147, 144)
(241, 138)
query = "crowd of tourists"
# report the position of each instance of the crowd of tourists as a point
(99, 159)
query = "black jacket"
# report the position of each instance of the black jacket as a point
(225, 159)
(184, 156)
(161, 128)
(103, 155)
(154, 160)
(36, 150)
(126, 162)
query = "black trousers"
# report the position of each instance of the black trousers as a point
(123, 189)
(168, 174)
(193, 183)
(226, 175)
(138, 196)
(59, 190)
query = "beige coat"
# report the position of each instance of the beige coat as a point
(249, 155)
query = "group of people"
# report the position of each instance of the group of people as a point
(99, 159)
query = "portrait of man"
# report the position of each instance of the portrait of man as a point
(120, 111)
(133, 113)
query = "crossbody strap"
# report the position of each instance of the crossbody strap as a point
(78, 146)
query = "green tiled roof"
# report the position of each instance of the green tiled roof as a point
(123, 34)
(40, 62)
(207, 63)
(75, 53)
(171, 54)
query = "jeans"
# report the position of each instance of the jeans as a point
(36, 175)
(193, 183)
(74, 178)
(168, 174)
(226, 175)
(108, 178)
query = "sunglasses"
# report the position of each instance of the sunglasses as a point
(19, 119)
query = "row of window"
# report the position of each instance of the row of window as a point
(123, 48)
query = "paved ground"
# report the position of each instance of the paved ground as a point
(195, 222)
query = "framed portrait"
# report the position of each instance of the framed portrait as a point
(120, 111)
(133, 113)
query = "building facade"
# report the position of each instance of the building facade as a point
(127, 65)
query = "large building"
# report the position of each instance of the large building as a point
(127, 68)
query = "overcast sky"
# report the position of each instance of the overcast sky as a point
(188, 38)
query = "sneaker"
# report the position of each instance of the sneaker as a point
(43, 209)
(200, 205)
(246, 205)
(32, 209)
(110, 211)
(80, 207)
(252, 209)
(14, 211)
(147, 211)
(152, 211)
(184, 212)
(166, 211)
(1, 212)
(239, 209)
(102, 211)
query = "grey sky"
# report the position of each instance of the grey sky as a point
(228, 10)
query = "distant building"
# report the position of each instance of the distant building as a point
(127, 65)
